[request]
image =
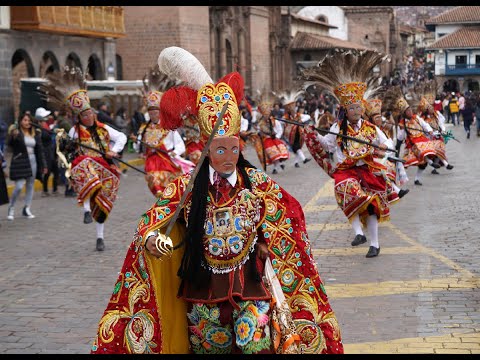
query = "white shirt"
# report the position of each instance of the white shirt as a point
(118, 138)
(243, 124)
(278, 129)
(402, 134)
(329, 141)
(232, 179)
(174, 142)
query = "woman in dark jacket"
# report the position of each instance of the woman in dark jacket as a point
(3, 183)
(28, 154)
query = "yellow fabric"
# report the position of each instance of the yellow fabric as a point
(173, 311)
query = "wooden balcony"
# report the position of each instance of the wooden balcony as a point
(91, 21)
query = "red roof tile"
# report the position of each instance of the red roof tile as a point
(467, 37)
(303, 40)
(458, 15)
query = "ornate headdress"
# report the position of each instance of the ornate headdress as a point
(265, 102)
(346, 74)
(66, 88)
(429, 92)
(155, 83)
(289, 98)
(394, 100)
(200, 97)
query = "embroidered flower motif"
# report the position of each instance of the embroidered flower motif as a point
(244, 329)
(214, 313)
(219, 337)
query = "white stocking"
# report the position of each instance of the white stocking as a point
(372, 225)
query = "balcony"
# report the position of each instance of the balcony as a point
(462, 69)
(91, 21)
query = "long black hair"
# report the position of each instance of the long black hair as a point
(342, 115)
(190, 267)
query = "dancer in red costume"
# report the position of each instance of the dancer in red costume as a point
(206, 294)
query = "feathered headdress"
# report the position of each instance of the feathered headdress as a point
(155, 83)
(67, 87)
(345, 73)
(428, 94)
(200, 97)
(289, 97)
(394, 100)
(265, 102)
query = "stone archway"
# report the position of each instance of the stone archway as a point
(73, 60)
(451, 85)
(48, 64)
(22, 67)
(94, 68)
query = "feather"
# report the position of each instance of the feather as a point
(155, 80)
(60, 84)
(178, 63)
(177, 103)
(342, 66)
(390, 98)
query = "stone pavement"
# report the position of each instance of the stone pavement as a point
(421, 295)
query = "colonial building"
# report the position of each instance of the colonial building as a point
(247, 39)
(457, 47)
(36, 40)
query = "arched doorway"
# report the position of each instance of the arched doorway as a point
(48, 64)
(229, 54)
(22, 67)
(472, 85)
(73, 61)
(94, 68)
(118, 59)
(451, 85)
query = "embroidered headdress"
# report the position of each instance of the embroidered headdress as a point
(345, 73)
(265, 102)
(200, 96)
(67, 87)
(429, 92)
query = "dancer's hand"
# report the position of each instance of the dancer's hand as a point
(262, 250)
(111, 154)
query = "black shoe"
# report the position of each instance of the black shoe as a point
(417, 182)
(372, 252)
(100, 244)
(449, 167)
(435, 165)
(87, 217)
(274, 171)
(403, 192)
(359, 239)
(282, 166)
(306, 160)
(434, 171)
(468, 135)
(296, 165)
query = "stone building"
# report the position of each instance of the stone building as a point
(457, 48)
(35, 40)
(247, 39)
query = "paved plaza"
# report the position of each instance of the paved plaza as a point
(420, 295)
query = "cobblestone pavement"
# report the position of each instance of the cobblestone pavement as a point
(421, 295)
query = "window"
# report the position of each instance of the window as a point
(322, 18)
(461, 61)
(477, 61)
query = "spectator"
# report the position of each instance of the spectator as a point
(468, 114)
(48, 145)
(121, 122)
(26, 145)
(138, 119)
(446, 108)
(477, 115)
(454, 109)
(3, 134)
(437, 105)
(103, 116)
(3, 184)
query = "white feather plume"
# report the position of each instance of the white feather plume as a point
(180, 64)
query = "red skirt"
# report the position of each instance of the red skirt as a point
(160, 172)
(95, 179)
(356, 188)
(418, 149)
(275, 149)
